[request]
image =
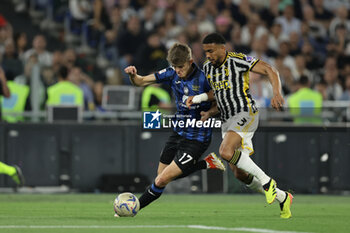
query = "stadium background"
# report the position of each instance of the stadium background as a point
(104, 149)
(97, 39)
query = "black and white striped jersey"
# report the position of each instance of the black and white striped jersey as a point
(230, 83)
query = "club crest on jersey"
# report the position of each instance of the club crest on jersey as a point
(186, 90)
(249, 58)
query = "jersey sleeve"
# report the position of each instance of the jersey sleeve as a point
(252, 61)
(165, 75)
(246, 61)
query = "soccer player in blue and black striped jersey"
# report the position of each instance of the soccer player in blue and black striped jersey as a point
(182, 151)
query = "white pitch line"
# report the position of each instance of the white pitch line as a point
(245, 229)
(257, 230)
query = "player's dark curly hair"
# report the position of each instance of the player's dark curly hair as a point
(178, 54)
(214, 38)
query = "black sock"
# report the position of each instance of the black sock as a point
(151, 194)
(200, 165)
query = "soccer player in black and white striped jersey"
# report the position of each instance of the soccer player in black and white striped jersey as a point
(228, 76)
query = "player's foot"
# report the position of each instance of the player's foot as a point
(285, 206)
(116, 215)
(18, 177)
(213, 162)
(270, 191)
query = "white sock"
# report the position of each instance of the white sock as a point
(256, 186)
(247, 164)
(280, 195)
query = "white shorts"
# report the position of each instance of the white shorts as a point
(244, 124)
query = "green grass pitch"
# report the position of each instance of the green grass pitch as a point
(75, 213)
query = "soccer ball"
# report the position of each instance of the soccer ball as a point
(126, 205)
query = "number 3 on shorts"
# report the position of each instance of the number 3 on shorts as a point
(187, 156)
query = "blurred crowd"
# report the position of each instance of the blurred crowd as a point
(299, 37)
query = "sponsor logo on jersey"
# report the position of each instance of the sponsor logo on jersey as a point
(195, 87)
(220, 85)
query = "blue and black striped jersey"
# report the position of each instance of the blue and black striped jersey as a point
(196, 83)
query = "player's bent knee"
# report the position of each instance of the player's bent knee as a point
(230, 156)
(226, 153)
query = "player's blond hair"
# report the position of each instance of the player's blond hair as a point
(178, 54)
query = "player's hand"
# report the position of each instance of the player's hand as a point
(189, 101)
(205, 115)
(131, 70)
(277, 101)
(197, 99)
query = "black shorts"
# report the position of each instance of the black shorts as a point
(184, 152)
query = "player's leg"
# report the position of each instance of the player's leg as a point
(6, 169)
(249, 180)
(235, 134)
(144, 199)
(151, 192)
(197, 149)
(230, 152)
(254, 184)
(285, 199)
(234, 130)
(200, 165)
(170, 172)
(161, 167)
(156, 189)
(184, 162)
(166, 157)
(211, 161)
(14, 171)
(167, 175)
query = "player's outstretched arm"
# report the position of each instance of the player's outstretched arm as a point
(209, 96)
(138, 80)
(264, 68)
